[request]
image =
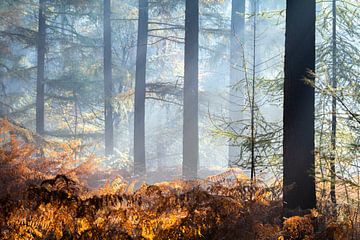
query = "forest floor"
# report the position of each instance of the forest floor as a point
(59, 208)
(43, 199)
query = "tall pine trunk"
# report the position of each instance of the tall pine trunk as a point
(333, 106)
(237, 40)
(299, 181)
(140, 87)
(40, 82)
(190, 126)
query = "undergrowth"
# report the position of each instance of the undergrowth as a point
(225, 209)
(37, 203)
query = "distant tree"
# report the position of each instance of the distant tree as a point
(255, 134)
(16, 31)
(190, 126)
(40, 82)
(299, 183)
(236, 67)
(337, 127)
(140, 86)
(109, 138)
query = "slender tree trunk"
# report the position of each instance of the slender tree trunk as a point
(190, 126)
(109, 135)
(140, 86)
(40, 82)
(299, 179)
(333, 110)
(252, 103)
(237, 40)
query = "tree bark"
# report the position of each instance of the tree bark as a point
(299, 181)
(40, 81)
(109, 135)
(237, 40)
(140, 85)
(333, 110)
(190, 125)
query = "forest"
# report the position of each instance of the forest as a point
(180, 119)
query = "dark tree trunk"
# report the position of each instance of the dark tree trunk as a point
(40, 82)
(237, 40)
(299, 183)
(333, 110)
(109, 135)
(140, 84)
(190, 126)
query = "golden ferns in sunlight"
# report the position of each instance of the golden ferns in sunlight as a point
(27, 159)
(35, 204)
(59, 208)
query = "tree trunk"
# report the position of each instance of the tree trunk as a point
(109, 135)
(237, 40)
(299, 183)
(40, 82)
(333, 106)
(252, 102)
(190, 126)
(140, 85)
